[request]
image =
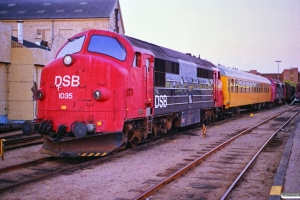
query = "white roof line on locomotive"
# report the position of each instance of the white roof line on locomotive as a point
(168, 54)
(233, 73)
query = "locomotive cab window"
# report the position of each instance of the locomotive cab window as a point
(137, 60)
(147, 64)
(73, 46)
(108, 46)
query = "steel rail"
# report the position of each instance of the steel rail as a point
(19, 135)
(254, 157)
(18, 140)
(23, 165)
(22, 142)
(65, 169)
(180, 172)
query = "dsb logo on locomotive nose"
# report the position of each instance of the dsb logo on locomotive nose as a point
(67, 81)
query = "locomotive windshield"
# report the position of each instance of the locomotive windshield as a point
(73, 46)
(108, 46)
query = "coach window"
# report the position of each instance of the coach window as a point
(245, 86)
(260, 87)
(236, 85)
(231, 85)
(250, 89)
(137, 60)
(228, 85)
(255, 88)
(248, 86)
(241, 86)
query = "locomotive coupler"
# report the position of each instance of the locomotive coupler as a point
(45, 126)
(60, 133)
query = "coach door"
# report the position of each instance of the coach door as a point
(148, 78)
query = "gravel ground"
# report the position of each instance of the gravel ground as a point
(126, 176)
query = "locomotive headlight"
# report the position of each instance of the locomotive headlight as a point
(97, 95)
(68, 60)
(39, 95)
(101, 94)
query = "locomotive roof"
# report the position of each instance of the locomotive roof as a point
(233, 73)
(275, 81)
(54, 9)
(169, 54)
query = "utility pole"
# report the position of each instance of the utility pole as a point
(278, 61)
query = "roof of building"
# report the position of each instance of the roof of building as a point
(55, 9)
(29, 44)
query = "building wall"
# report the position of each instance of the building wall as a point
(274, 76)
(3, 93)
(5, 59)
(291, 74)
(24, 69)
(5, 41)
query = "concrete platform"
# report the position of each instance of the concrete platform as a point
(286, 183)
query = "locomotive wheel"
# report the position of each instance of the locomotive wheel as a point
(153, 134)
(133, 143)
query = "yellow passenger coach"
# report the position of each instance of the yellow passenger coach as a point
(244, 90)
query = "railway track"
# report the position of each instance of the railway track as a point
(21, 140)
(234, 157)
(66, 167)
(40, 169)
(9, 127)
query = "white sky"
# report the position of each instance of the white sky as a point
(245, 34)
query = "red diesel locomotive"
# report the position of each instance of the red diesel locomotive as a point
(102, 91)
(105, 91)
